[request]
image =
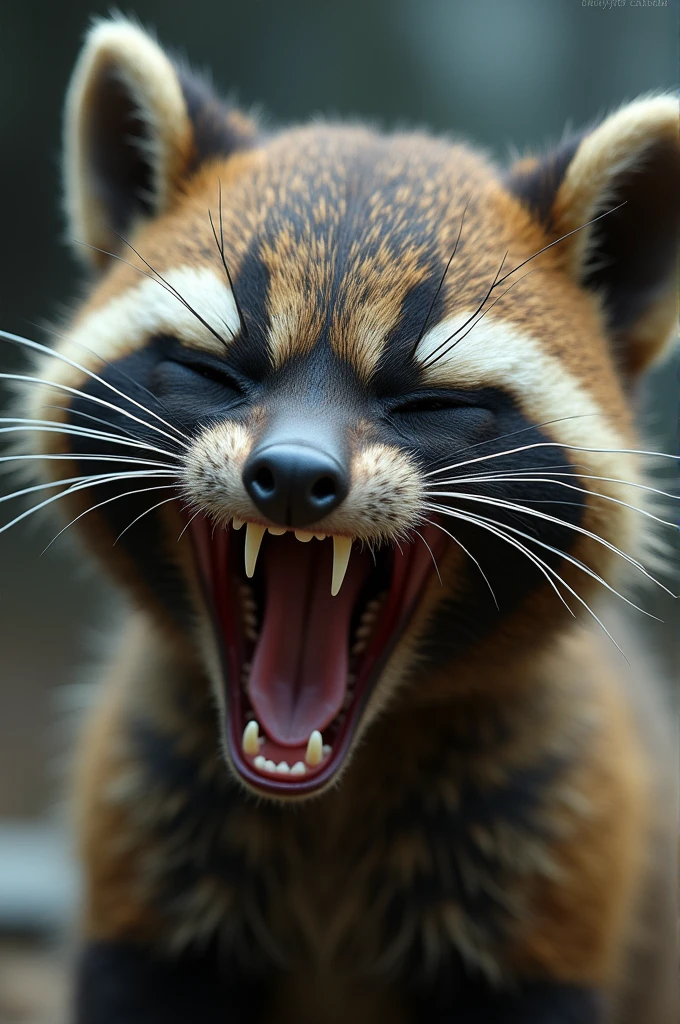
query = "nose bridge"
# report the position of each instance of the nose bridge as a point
(310, 424)
(298, 471)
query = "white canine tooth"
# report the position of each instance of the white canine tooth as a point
(342, 546)
(270, 766)
(277, 531)
(298, 768)
(254, 535)
(326, 749)
(237, 523)
(303, 536)
(250, 738)
(283, 767)
(314, 748)
(260, 762)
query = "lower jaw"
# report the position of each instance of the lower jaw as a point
(288, 771)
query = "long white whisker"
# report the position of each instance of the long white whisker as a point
(113, 366)
(501, 503)
(572, 487)
(569, 558)
(532, 474)
(543, 566)
(521, 430)
(49, 427)
(81, 457)
(147, 511)
(79, 487)
(434, 560)
(107, 501)
(477, 521)
(71, 480)
(453, 537)
(187, 525)
(18, 340)
(27, 379)
(553, 444)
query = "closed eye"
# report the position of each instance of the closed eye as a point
(216, 374)
(424, 403)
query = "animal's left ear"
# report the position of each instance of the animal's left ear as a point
(629, 256)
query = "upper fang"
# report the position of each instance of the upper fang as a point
(254, 535)
(342, 546)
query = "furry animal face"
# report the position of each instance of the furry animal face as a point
(354, 408)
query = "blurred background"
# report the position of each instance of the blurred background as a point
(505, 73)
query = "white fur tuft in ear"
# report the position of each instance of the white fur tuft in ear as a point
(127, 135)
(616, 146)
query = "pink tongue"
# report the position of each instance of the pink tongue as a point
(299, 674)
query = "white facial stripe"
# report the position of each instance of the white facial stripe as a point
(128, 320)
(497, 354)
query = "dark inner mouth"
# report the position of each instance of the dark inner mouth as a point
(300, 662)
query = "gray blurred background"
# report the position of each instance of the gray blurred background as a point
(505, 73)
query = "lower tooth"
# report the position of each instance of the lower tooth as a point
(250, 738)
(326, 749)
(314, 748)
(270, 766)
(260, 762)
(298, 768)
(283, 767)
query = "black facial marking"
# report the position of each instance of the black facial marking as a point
(251, 354)
(144, 541)
(444, 428)
(397, 370)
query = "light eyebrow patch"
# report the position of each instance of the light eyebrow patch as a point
(126, 322)
(498, 354)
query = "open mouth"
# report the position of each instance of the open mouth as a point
(305, 623)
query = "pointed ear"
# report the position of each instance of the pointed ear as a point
(135, 126)
(629, 257)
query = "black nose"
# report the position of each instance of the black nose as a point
(294, 484)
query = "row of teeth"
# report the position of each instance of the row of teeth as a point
(342, 547)
(315, 753)
(366, 626)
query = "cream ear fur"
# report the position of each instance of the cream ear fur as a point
(616, 145)
(150, 79)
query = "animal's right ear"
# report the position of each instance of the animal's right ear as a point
(136, 125)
